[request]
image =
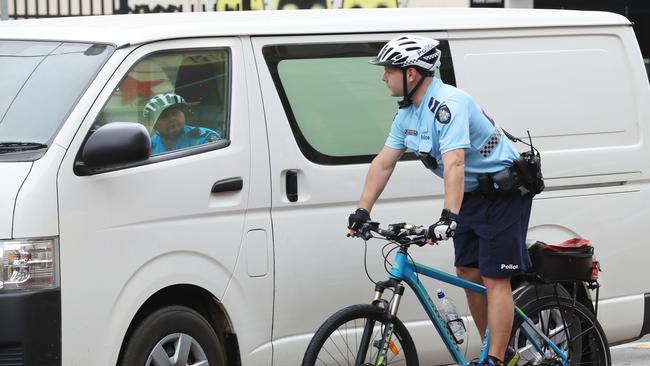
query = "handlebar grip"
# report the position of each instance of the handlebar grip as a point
(420, 231)
(384, 232)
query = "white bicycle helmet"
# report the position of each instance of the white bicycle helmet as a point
(410, 51)
(406, 51)
(159, 103)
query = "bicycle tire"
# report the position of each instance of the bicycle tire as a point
(331, 343)
(568, 324)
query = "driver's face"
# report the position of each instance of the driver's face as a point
(171, 123)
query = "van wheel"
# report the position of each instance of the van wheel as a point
(174, 336)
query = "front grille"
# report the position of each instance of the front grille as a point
(11, 355)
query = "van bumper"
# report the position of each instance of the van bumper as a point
(30, 328)
(646, 316)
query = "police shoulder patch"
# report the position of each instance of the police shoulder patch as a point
(433, 104)
(212, 137)
(443, 115)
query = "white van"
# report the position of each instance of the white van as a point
(233, 250)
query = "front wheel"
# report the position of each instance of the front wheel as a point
(568, 324)
(174, 335)
(361, 335)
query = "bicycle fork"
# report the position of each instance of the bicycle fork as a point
(384, 344)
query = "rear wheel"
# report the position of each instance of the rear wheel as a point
(356, 335)
(568, 324)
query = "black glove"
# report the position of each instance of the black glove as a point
(444, 228)
(358, 218)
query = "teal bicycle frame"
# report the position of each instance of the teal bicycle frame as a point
(406, 270)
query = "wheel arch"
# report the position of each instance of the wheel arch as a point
(198, 299)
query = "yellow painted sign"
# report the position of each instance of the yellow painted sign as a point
(235, 5)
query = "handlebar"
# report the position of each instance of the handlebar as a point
(401, 233)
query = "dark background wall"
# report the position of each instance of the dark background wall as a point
(637, 11)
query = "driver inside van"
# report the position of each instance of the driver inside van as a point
(168, 114)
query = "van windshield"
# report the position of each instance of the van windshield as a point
(40, 82)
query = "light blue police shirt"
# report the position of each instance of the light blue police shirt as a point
(448, 119)
(192, 136)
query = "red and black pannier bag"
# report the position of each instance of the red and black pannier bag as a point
(569, 261)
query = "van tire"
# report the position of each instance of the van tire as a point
(161, 331)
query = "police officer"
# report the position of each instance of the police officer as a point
(168, 113)
(458, 142)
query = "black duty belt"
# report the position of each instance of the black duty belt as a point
(502, 183)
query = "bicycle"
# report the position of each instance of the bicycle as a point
(558, 332)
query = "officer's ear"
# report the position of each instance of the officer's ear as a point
(412, 74)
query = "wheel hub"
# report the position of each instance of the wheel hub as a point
(178, 349)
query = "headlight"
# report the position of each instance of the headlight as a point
(29, 264)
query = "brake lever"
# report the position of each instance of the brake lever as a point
(422, 241)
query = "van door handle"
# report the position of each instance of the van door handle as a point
(227, 185)
(292, 185)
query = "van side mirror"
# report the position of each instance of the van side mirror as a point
(116, 143)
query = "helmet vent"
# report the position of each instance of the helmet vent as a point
(393, 56)
(384, 52)
(410, 51)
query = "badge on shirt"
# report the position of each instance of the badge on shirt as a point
(444, 115)
(212, 137)
(411, 132)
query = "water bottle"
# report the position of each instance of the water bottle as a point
(450, 315)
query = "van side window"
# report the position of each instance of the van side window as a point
(181, 97)
(338, 107)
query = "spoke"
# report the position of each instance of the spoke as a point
(201, 363)
(583, 333)
(544, 315)
(335, 345)
(328, 352)
(160, 357)
(356, 340)
(558, 335)
(346, 342)
(182, 352)
(348, 350)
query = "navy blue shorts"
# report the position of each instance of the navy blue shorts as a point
(491, 235)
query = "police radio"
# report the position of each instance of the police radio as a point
(529, 166)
